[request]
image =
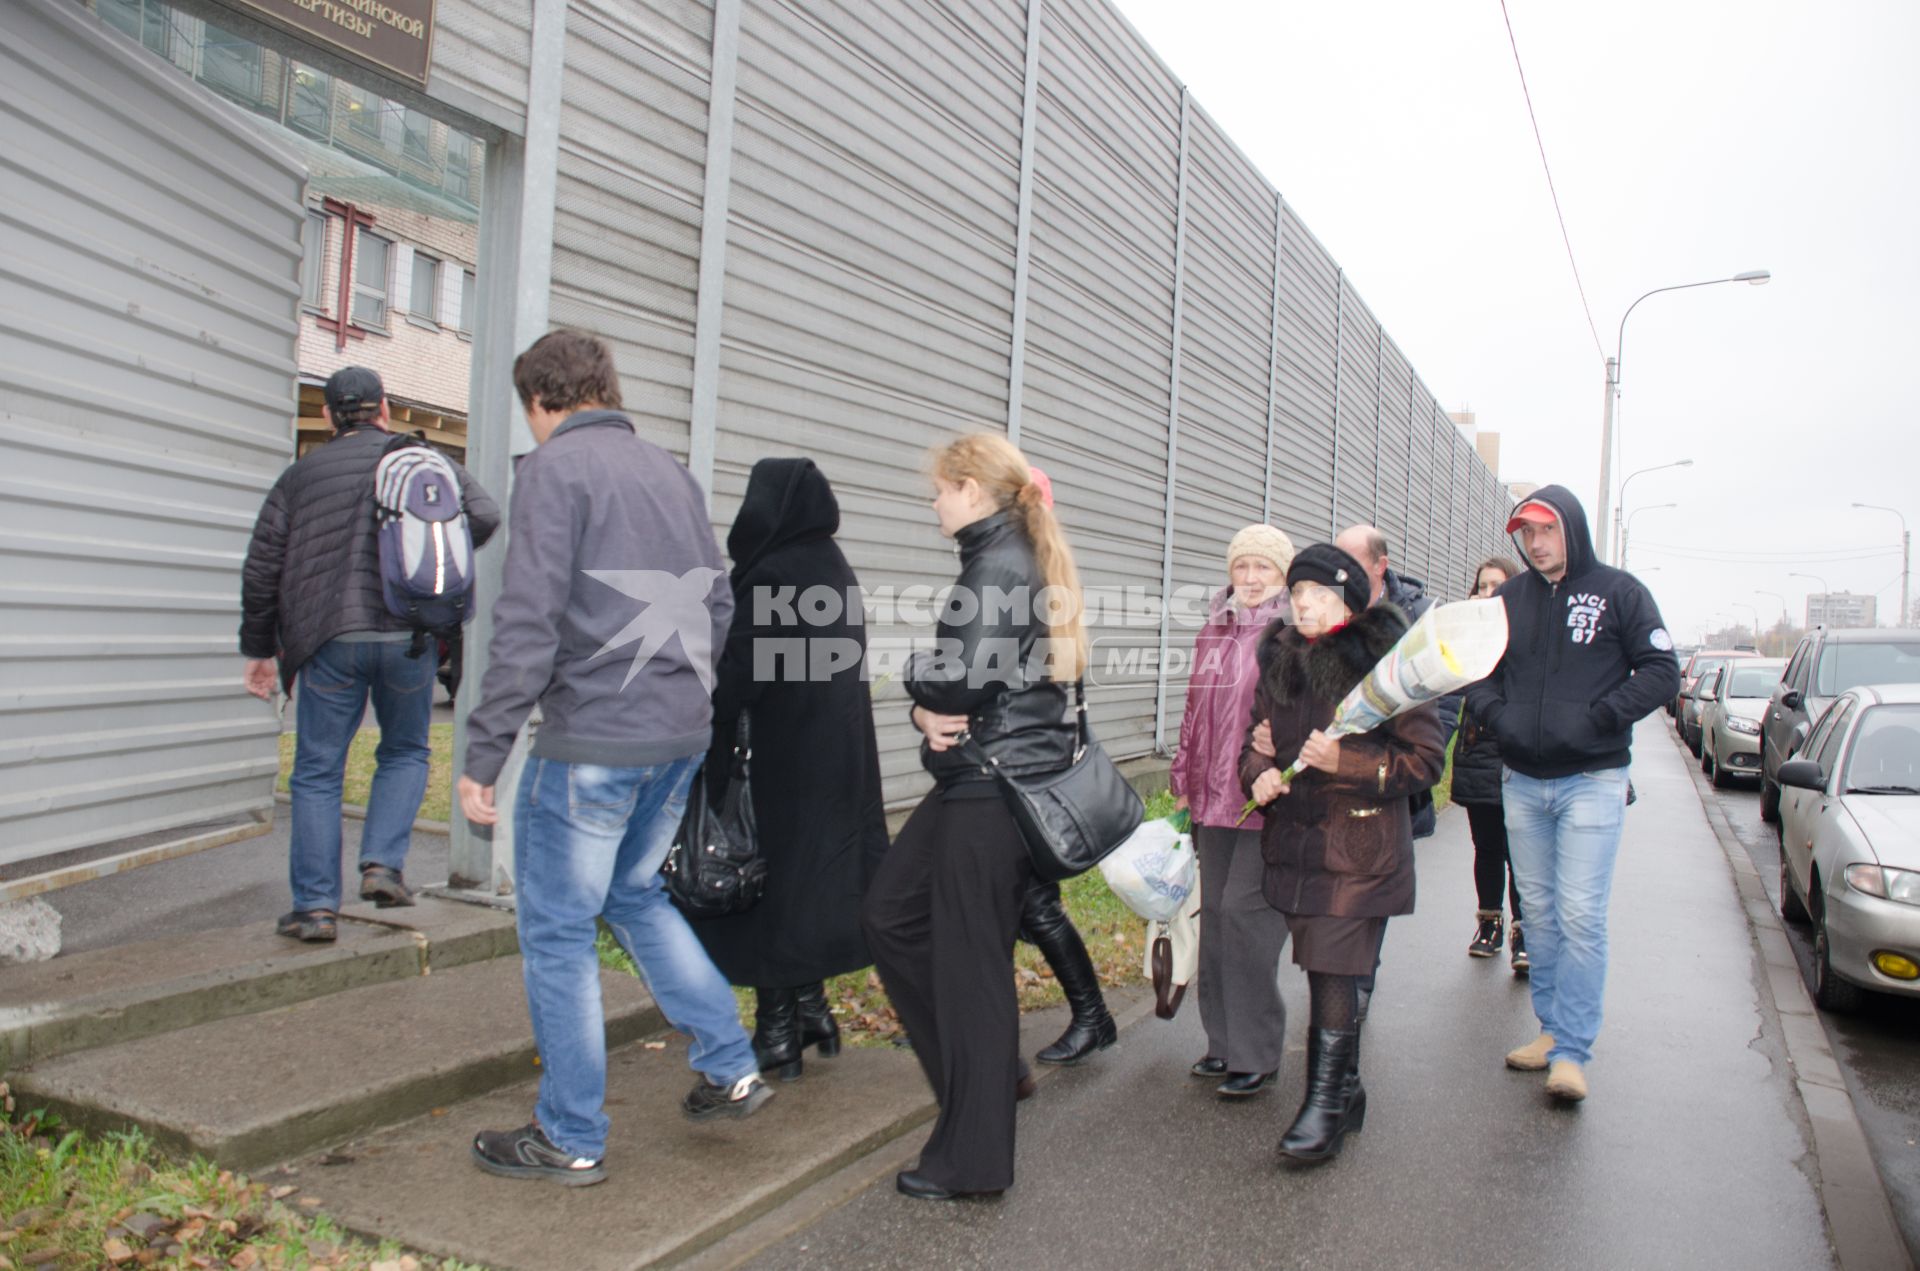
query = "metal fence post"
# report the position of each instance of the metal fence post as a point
(1173, 438)
(1023, 225)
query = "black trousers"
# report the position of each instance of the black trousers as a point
(941, 914)
(1491, 869)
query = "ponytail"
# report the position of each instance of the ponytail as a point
(1002, 471)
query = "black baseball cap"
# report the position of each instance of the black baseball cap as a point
(352, 389)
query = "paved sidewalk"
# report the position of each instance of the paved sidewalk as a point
(1694, 1150)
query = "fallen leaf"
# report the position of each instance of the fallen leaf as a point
(283, 1191)
(144, 1223)
(309, 1202)
(229, 1227)
(5, 1263)
(117, 1251)
(654, 1045)
(438, 1112)
(391, 1264)
(409, 1263)
(337, 1158)
(38, 1256)
(195, 1211)
(246, 1258)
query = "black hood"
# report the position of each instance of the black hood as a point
(787, 501)
(1573, 522)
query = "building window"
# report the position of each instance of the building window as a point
(364, 113)
(425, 302)
(370, 255)
(231, 65)
(459, 179)
(313, 268)
(144, 20)
(466, 302)
(310, 101)
(416, 137)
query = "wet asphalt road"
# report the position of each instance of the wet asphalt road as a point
(1692, 1152)
(1878, 1049)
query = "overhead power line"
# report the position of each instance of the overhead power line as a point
(1548, 168)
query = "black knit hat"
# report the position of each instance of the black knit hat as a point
(1327, 565)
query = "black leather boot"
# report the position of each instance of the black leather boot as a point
(776, 1032)
(1335, 1104)
(818, 1028)
(1046, 926)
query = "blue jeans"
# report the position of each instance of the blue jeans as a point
(1562, 838)
(589, 842)
(334, 687)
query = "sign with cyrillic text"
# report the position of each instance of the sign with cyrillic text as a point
(394, 35)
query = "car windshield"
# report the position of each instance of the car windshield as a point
(1704, 667)
(1755, 682)
(1845, 666)
(1886, 752)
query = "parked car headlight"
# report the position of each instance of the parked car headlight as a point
(1749, 726)
(1902, 885)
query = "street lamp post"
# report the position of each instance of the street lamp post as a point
(1741, 604)
(1626, 522)
(1785, 622)
(1906, 553)
(1620, 544)
(1754, 276)
(1825, 592)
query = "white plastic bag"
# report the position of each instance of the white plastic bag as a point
(1153, 871)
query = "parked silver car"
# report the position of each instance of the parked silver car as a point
(1693, 693)
(1730, 718)
(1850, 844)
(1828, 662)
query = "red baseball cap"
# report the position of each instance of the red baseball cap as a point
(1533, 511)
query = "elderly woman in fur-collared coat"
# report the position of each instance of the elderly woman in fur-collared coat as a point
(1338, 841)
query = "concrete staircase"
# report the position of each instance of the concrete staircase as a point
(248, 1048)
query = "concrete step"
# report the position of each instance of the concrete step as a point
(249, 1090)
(109, 996)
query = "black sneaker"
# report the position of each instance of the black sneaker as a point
(741, 1099)
(384, 886)
(1522, 964)
(315, 926)
(1488, 937)
(528, 1153)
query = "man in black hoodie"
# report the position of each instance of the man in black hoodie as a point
(1587, 657)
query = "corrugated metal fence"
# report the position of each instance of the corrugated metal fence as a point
(944, 216)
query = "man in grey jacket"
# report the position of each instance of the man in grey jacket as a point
(614, 607)
(311, 607)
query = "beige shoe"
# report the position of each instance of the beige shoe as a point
(1567, 1081)
(1531, 1057)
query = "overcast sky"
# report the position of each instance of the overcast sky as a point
(1688, 141)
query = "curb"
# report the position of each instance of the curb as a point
(1860, 1221)
(818, 1199)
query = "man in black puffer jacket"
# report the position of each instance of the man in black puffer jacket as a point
(312, 607)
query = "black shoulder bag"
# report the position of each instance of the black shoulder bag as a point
(714, 867)
(1071, 819)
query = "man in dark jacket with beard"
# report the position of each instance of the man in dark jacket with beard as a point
(312, 608)
(1587, 657)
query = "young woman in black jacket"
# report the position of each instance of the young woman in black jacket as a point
(1476, 787)
(945, 905)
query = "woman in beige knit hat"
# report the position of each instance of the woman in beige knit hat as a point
(1241, 936)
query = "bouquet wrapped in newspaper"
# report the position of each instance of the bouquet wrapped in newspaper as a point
(1450, 647)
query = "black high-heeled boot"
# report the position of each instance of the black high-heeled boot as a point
(776, 1032)
(818, 1028)
(1336, 1104)
(1046, 926)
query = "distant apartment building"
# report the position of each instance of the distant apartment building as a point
(1485, 444)
(392, 220)
(1841, 609)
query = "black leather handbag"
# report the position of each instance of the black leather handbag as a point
(1073, 818)
(714, 867)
